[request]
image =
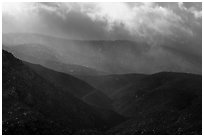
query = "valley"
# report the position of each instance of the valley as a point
(37, 99)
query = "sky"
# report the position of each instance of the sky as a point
(172, 27)
(107, 21)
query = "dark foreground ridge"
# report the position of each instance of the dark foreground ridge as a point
(33, 105)
(35, 102)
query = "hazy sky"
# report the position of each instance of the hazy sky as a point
(176, 27)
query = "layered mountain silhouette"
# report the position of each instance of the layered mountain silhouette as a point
(34, 105)
(101, 56)
(75, 86)
(162, 103)
(44, 100)
(47, 57)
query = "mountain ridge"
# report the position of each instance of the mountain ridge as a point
(29, 97)
(161, 103)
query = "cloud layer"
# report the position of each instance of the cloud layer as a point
(174, 28)
(104, 20)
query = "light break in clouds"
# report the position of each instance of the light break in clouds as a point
(172, 27)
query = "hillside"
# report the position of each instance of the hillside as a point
(161, 103)
(75, 86)
(33, 105)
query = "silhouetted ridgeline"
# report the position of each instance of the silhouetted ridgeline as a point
(33, 105)
(37, 100)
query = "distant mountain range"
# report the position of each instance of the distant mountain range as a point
(101, 57)
(38, 100)
(98, 55)
(39, 54)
